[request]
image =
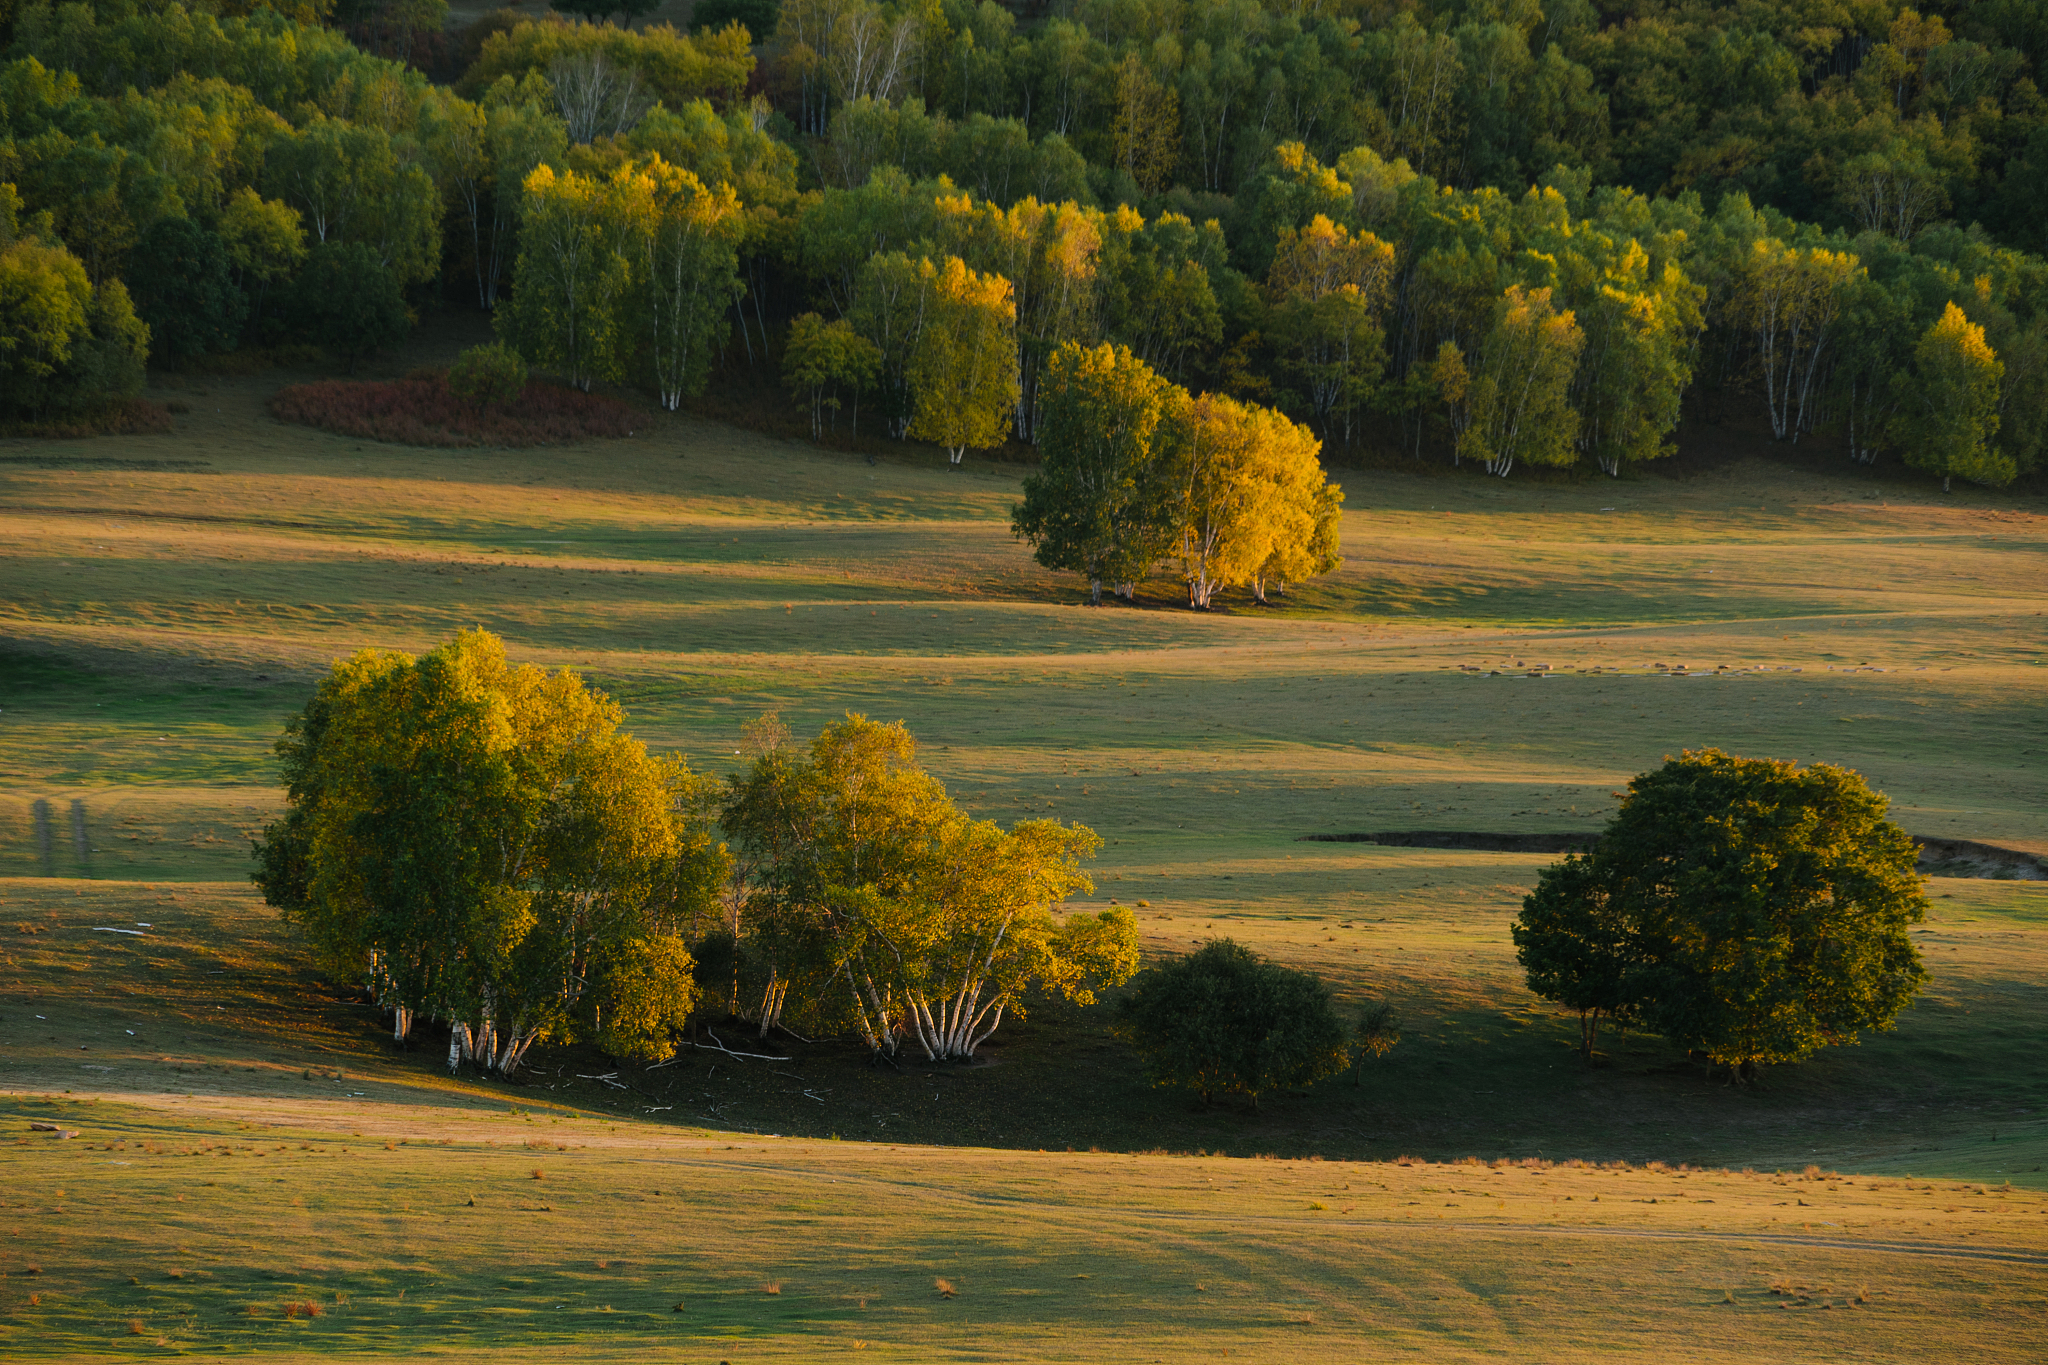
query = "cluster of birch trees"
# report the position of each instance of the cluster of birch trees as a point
(1409, 232)
(626, 276)
(1137, 472)
(864, 900)
(481, 845)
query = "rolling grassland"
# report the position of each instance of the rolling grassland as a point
(1494, 657)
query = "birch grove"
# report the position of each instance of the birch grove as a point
(878, 907)
(478, 844)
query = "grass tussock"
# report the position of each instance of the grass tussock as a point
(945, 1287)
(420, 410)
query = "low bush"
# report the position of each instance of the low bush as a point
(421, 410)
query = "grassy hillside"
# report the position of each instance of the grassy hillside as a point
(523, 1233)
(173, 599)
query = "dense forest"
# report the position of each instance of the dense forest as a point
(1472, 230)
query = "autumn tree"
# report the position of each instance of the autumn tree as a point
(1520, 396)
(1952, 404)
(963, 372)
(1095, 505)
(878, 905)
(682, 238)
(479, 843)
(1245, 497)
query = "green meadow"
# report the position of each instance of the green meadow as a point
(1495, 656)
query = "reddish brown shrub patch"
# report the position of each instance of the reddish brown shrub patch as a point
(419, 410)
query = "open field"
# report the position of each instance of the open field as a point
(520, 1233)
(170, 600)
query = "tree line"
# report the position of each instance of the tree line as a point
(1508, 236)
(481, 845)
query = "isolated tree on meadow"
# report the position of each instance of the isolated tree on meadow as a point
(963, 372)
(1246, 487)
(1749, 910)
(1223, 1020)
(1951, 405)
(1092, 506)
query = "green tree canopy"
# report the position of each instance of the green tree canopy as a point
(1749, 910)
(345, 300)
(1223, 1020)
(480, 843)
(1092, 506)
(185, 290)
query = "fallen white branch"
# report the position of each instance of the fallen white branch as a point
(101, 929)
(715, 1046)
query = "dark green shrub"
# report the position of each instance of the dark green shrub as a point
(488, 376)
(1223, 1020)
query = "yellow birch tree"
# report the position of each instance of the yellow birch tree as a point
(963, 374)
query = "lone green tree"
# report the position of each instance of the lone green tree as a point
(1749, 910)
(1223, 1020)
(1095, 506)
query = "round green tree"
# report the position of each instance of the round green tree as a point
(1749, 910)
(1224, 1020)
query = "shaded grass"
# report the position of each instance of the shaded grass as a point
(215, 1001)
(666, 1242)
